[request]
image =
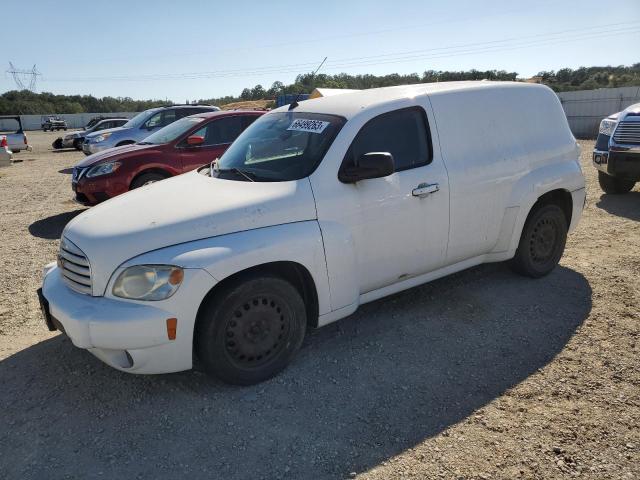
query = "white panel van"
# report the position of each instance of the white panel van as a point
(315, 209)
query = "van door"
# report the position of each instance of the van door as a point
(399, 224)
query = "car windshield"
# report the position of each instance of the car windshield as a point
(139, 119)
(280, 147)
(172, 131)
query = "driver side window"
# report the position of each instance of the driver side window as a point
(403, 133)
(154, 121)
(222, 131)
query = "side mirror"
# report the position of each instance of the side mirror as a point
(194, 140)
(370, 165)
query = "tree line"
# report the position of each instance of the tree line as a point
(583, 78)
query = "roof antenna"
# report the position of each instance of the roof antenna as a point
(294, 104)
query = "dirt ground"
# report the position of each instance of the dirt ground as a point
(480, 375)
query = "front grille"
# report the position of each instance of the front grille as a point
(627, 133)
(74, 267)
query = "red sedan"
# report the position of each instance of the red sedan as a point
(177, 148)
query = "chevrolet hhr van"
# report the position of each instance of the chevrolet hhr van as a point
(314, 210)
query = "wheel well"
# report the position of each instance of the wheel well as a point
(159, 171)
(125, 142)
(292, 272)
(561, 198)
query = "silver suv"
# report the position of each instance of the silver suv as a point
(140, 126)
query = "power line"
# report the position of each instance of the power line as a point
(491, 46)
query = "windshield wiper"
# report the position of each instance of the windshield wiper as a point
(239, 172)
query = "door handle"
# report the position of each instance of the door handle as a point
(425, 189)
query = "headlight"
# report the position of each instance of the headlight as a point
(607, 126)
(101, 137)
(103, 169)
(148, 282)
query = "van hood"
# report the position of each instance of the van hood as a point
(181, 209)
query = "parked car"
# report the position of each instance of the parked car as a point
(75, 139)
(52, 123)
(140, 127)
(11, 128)
(314, 210)
(617, 151)
(5, 153)
(98, 118)
(177, 148)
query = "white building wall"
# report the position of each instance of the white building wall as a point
(74, 120)
(585, 108)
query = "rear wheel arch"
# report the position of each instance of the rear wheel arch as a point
(560, 197)
(125, 142)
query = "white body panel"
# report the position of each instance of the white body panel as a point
(497, 147)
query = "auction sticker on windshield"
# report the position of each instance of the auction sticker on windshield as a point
(304, 125)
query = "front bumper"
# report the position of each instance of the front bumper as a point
(91, 191)
(91, 148)
(68, 142)
(127, 335)
(618, 162)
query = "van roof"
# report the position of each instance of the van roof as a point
(349, 104)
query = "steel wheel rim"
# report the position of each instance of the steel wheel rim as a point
(544, 237)
(257, 331)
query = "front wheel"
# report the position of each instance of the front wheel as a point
(614, 185)
(77, 143)
(542, 242)
(249, 331)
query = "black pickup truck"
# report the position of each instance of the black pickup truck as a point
(617, 151)
(52, 123)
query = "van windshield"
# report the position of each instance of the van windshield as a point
(279, 147)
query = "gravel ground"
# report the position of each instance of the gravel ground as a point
(480, 375)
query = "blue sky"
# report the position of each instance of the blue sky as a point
(202, 49)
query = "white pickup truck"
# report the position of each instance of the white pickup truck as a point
(314, 210)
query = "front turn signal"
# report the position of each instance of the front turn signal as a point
(172, 328)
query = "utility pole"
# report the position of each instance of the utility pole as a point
(19, 74)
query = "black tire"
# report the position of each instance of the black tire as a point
(147, 179)
(251, 329)
(614, 185)
(57, 143)
(542, 241)
(77, 143)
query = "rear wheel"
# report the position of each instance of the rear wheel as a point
(77, 143)
(147, 179)
(542, 242)
(614, 185)
(250, 330)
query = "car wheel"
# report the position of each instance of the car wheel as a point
(614, 185)
(77, 143)
(57, 143)
(147, 179)
(542, 242)
(126, 142)
(250, 330)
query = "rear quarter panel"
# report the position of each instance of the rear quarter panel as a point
(504, 147)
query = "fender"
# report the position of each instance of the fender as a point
(225, 255)
(565, 175)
